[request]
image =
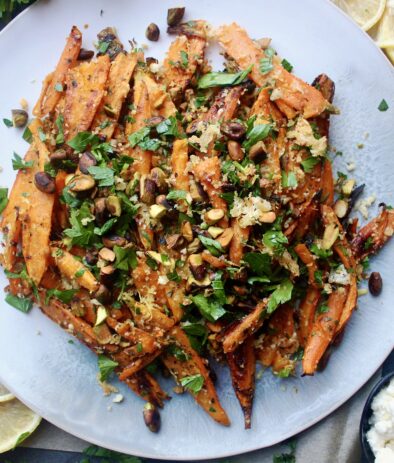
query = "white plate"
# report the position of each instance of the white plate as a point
(58, 379)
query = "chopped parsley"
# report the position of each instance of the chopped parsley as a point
(193, 383)
(8, 123)
(19, 164)
(266, 64)
(281, 295)
(209, 308)
(288, 66)
(223, 79)
(24, 304)
(106, 367)
(3, 199)
(383, 106)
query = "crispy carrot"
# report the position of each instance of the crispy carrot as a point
(327, 183)
(307, 312)
(146, 386)
(54, 83)
(240, 238)
(179, 160)
(307, 258)
(242, 364)
(294, 92)
(323, 331)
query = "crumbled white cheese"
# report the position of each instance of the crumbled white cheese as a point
(381, 434)
(363, 204)
(118, 398)
(276, 94)
(303, 135)
(250, 210)
(351, 166)
(209, 133)
(163, 280)
(339, 276)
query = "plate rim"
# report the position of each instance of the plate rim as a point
(81, 435)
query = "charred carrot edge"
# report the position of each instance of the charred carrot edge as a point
(323, 331)
(242, 364)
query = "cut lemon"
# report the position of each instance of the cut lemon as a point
(390, 53)
(385, 29)
(366, 13)
(5, 394)
(17, 422)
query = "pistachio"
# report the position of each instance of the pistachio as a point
(340, 208)
(114, 240)
(82, 182)
(197, 266)
(151, 417)
(155, 256)
(132, 185)
(85, 161)
(107, 270)
(44, 182)
(157, 211)
(147, 190)
(100, 210)
(159, 177)
(175, 15)
(155, 120)
(267, 217)
(213, 216)
(235, 150)
(58, 156)
(107, 254)
(19, 117)
(175, 241)
(85, 55)
(375, 283)
(114, 205)
(215, 231)
(226, 237)
(187, 231)
(348, 186)
(197, 192)
(91, 257)
(330, 235)
(194, 246)
(152, 32)
(101, 315)
(258, 152)
(163, 201)
(233, 130)
(191, 281)
(103, 294)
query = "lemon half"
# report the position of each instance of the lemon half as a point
(385, 29)
(365, 12)
(17, 422)
(5, 394)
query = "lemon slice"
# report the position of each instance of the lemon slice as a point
(17, 422)
(366, 13)
(5, 394)
(385, 29)
(390, 53)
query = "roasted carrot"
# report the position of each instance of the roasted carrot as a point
(306, 313)
(307, 258)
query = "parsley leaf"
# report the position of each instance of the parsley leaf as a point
(210, 309)
(259, 263)
(138, 136)
(106, 366)
(275, 240)
(82, 140)
(18, 163)
(63, 295)
(221, 79)
(168, 127)
(289, 180)
(309, 163)
(323, 309)
(102, 47)
(104, 175)
(24, 304)
(218, 288)
(288, 66)
(193, 383)
(82, 226)
(60, 132)
(126, 259)
(8, 123)
(213, 246)
(184, 59)
(27, 135)
(383, 106)
(177, 352)
(255, 134)
(281, 295)
(3, 199)
(266, 63)
(319, 252)
(175, 195)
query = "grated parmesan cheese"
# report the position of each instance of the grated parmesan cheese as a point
(302, 134)
(250, 210)
(208, 134)
(363, 204)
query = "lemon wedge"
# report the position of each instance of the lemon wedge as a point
(390, 53)
(385, 29)
(5, 394)
(366, 13)
(17, 422)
